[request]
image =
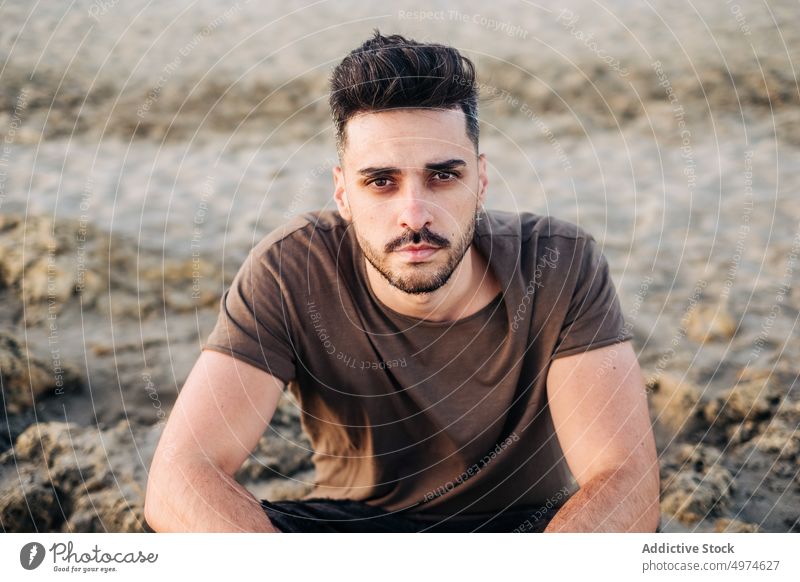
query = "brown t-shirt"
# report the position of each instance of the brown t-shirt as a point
(404, 413)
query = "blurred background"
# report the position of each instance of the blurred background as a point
(146, 148)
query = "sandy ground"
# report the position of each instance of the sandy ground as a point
(199, 127)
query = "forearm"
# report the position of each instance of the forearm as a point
(199, 497)
(613, 501)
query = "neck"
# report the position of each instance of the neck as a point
(471, 287)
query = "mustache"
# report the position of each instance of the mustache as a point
(423, 236)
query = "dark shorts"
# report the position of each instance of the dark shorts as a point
(343, 515)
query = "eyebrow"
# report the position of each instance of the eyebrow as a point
(433, 166)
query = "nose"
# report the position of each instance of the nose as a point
(414, 211)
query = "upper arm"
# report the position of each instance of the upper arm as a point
(254, 325)
(599, 409)
(222, 411)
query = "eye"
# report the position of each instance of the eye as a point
(379, 182)
(448, 176)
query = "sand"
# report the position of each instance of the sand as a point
(184, 129)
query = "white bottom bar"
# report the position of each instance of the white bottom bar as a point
(389, 557)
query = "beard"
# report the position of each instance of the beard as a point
(422, 277)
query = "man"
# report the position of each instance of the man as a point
(457, 369)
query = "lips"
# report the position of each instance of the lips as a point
(417, 248)
(417, 253)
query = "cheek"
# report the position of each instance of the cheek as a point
(371, 228)
(375, 218)
(367, 221)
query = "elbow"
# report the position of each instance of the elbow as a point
(156, 512)
(655, 512)
(650, 489)
(641, 493)
(150, 520)
(152, 512)
(644, 477)
(169, 483)
(651, 516)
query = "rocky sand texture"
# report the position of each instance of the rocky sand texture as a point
(90, 476)
(137, 169)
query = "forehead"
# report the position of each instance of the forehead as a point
(406, 136)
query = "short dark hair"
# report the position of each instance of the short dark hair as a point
(389, 72)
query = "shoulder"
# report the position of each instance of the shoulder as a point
(548, 228)
(299, 232)
(554, 251)
(561, 244)
(529, 226)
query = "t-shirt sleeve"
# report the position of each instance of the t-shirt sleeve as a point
(252, 325)
(594, 318)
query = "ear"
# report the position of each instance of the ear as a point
(483, 179)
(340, 194)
